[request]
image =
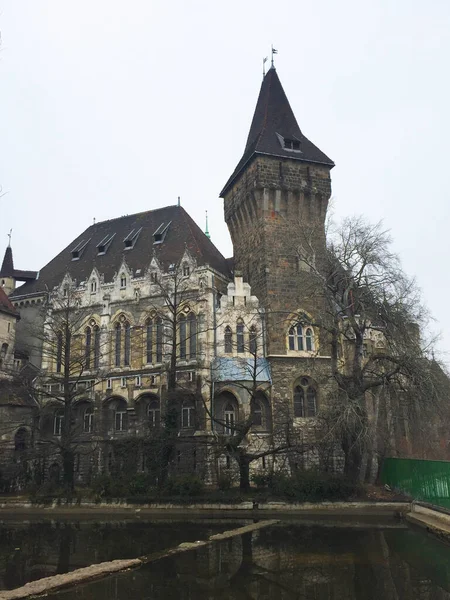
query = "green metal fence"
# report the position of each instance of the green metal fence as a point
(426, 480)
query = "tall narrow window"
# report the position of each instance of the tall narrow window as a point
(121, 418)
(127, 345)
(118, 344)
(182, 337)
(149, 341)
(59, 349)
(154, 413)
(305, 398)
(228, 339)
(58, 421)
(257, 413)
(309, 339)
(96, 347)
(188, 415)
(159, 340)
(229, 419)
(192, 319)
(301, 340)
(253, 340)
(88, 420)
(240, 337)
(87, 354)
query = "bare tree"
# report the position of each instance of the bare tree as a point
(371, 315)
(71, 348)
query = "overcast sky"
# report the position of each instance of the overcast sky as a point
(113, 107)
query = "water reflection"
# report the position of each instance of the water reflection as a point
(30, 551)
(291, 562)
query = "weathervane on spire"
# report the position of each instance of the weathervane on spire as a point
(9, 235)
(206, 229)
(273, 52)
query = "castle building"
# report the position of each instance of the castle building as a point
(154, 310)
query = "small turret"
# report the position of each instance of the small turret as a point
(9, 275)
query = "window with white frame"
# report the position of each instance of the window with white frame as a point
(154, 413)
(301, 338)
(58, 421)
(229, 418)
(188, 414)
(88, 420)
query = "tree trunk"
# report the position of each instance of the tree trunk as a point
(244, 473)
(68, 470)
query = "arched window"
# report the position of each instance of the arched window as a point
(257, 412)
(300, 339)
(240, 343)
(58, 421)
(228, 339)
(123, 281)
(59, 349)
(253, 341)
(182, 337)
(127, 345)
(96, 347)
(309, 339)
(118, 344)
(121, 417)
(88, 420)
(192, 321)
(154, 413)
(305, 398)
(87, 347)
(159, 339)
(93, 286)
(122, 354)
(229, 418)
(188, 414)
(149, 341)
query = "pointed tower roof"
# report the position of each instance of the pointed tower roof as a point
(275, 132)
(7, 269)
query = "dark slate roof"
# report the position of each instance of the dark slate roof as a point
(273, 115)
(6, 305)
(182, 233)
(8, 269)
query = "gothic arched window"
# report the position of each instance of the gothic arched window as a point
(228, 339)
(87, 347)
(58, 421)
(159, 339)
(154, 413)
(88, 420)
(240, 341)
(182, 352)
(229, 418)
(59, 351)
(257, 412)
(192, 322)
(96, 347)
(122, 354)
(127, 344)
(300, 339)
(118, 344)
(305, 398)
(149, 341)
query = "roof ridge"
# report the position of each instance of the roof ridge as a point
(142, 212)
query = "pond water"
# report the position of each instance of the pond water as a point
(31, 550)
(292, 560)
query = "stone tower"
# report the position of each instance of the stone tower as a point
(275, 206)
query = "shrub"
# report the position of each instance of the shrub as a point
(313, 486)
(186, 485)
(224, 482)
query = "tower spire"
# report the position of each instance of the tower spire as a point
(206, 228)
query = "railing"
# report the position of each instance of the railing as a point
(425, 480)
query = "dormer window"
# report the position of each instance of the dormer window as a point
(131, 239)
(160, 233)
(79, 249)
(123, 281)
(154, 277)
(93, 286)
(103, 246)
(291, 145)
(186, 271)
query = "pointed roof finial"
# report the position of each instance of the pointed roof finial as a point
(265, 59)
(179, 201)
(273, 52)
(9, 236)
(206, 229)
